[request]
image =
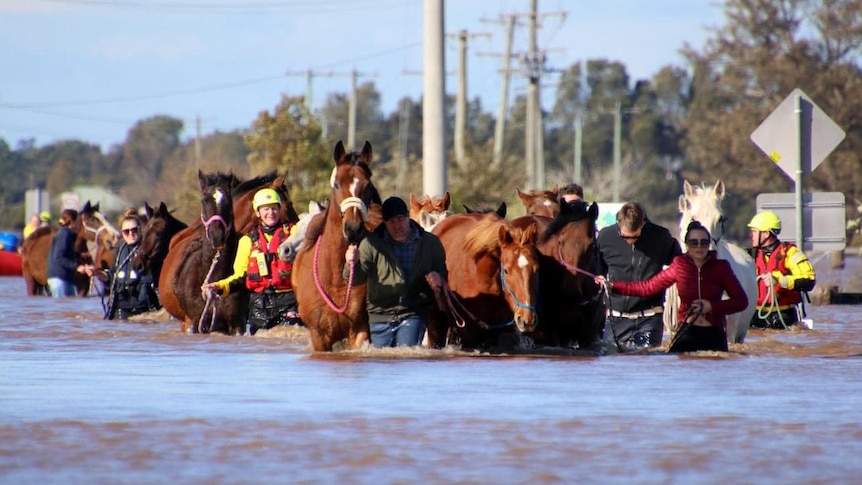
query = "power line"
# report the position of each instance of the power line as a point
(296, 6)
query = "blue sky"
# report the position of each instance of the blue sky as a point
(89, 69)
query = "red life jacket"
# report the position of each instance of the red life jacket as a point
(784, 296)
(265, 269)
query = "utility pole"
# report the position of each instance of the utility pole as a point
(433, 102)
(198, 141)
(461, 95)
(351, 109)
(503, 105)
(309, 77)
(577, 175)
(618, 113)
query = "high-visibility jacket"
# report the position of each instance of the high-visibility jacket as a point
(791, 268)
(265, 269)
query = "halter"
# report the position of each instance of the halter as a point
(570, 267)
(512, 294)
(356, 203)
(208, 222)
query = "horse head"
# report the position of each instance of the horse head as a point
(217, 206)
(96, 229)
(519, 273)
(290, 247)
(703, 204)
(352, 189)
(156, 236)
(500, 210)
(429, 211)
(541, 202)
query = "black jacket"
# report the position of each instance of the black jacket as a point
(622, 261)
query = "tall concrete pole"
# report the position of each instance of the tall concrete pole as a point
(461, 99)
(577, 176)
(618, 123)
(503, 106)
(433, 101)
(351, 113)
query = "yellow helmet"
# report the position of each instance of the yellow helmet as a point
(45, 216)
(265, 197)
(766, 221)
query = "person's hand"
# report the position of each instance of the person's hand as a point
(600, 280)
(702, 306)
(352, 254)
(434, 280)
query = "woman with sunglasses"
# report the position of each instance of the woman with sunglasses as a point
(701, 279)
(132, 291)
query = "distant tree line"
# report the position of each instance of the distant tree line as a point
(689, 122)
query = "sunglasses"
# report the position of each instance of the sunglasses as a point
(704, 243)
(131, 230)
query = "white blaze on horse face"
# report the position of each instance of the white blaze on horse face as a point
(522, 261)
(353, 186)
(332, 177)
(547, 203)
(218, 196)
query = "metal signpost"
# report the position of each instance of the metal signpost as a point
(823, 233)
(797, 136)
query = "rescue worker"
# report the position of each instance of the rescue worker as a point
(783, 273)
(258, 269)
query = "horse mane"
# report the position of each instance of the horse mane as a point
(256, 182)
(574, 211)
(484, 236)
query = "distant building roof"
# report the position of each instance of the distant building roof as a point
(108, 201)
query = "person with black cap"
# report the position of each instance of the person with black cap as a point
(402, 265)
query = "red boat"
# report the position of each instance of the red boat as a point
(10, 263)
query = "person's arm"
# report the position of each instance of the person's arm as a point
(64, 247)
(362, 259)
(240, 264)
(801, 277)
(661, 281)
(737, 300)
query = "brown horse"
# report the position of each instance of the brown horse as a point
(572, 309)
(206, 258)
(156, 236)
(541, 202)
(94, 231)
(429, 211)
(332, 308)
(493, 281)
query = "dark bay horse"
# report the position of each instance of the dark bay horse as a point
(541, 202)
(493, 281)
(94, 232)
(572, 309)
(334, 309)
(206, 258)
(156, 236)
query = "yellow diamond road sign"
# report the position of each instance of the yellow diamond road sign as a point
(794, 143)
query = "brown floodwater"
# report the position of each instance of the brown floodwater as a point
(86, 401)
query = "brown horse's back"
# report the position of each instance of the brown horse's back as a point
(34, 260)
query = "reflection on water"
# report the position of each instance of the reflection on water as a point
(88, 401)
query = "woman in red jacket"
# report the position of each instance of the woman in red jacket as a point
(701, 279)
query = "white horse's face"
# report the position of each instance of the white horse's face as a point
(288, 250)
(430, 219)
(703, 204)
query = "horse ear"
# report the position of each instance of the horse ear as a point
(593, 212)
(163, 209)
(86, 207)
(415, 206)
(339, 152)
(367, 153)
(556, 189)
(687, 189)
(530, 234)
(446, 201)
(525, 198)
(505, 234)
(501, 211)
(96, 207)
(683, 204)
(719, 189)
(467, 209)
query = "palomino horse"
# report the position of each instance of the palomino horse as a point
(94, 232)
(156, 236)
(332, 308)
(571, 305)
(429, 211)
(703, 204)
(493, 282)
(203, 259)
(541, 202)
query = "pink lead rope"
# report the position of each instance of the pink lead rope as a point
(320, 289)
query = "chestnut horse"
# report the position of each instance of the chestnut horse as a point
(541, 202)
(156, 236)
(492, 289)
(94, 231)
(428, 211)
(332, 308)
(572, 308)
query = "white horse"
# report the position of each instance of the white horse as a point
(288, 249)
(703, 204)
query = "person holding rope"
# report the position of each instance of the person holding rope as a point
(403, 266)
(132, 291)
(783, 273)
(258, 269)
(635, 249)
(701, 279)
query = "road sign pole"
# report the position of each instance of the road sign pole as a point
(804, 154)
